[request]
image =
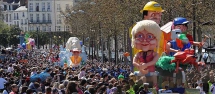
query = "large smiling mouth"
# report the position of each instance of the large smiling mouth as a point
(145, 44)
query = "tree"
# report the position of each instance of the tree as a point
(112, 18)
(13, 35)
(43, 37)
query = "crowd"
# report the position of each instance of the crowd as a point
(92, 78)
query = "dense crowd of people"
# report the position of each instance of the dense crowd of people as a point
(92, 78)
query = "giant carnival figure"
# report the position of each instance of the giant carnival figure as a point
(179, 54)
(182, 24)
(151, 11)
(145, 38)
(73, 45)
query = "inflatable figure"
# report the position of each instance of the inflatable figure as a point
(66, 56)
(179, 42)
(151, 11)
(73, 42)
(182, 24)
(145, 37)
(73, 54)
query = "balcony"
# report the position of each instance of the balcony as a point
(40, 22)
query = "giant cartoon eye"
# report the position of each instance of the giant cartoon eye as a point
(139, 35)
(150, 36)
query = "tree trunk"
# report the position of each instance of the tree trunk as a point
(109, 50)
(199, 33)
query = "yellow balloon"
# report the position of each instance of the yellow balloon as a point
(28, 46)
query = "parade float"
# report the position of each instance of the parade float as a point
(178, 56)
(73, 55)
(145, 38)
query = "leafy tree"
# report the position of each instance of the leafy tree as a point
(9, 36)
(112, 18)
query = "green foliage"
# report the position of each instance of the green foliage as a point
(9, 36)
(48, 37)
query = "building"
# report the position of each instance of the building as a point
(45, 15)
(36, 15)
(14, 14)
(8, 9)
(20, 18)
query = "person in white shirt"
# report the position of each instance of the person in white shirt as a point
(34, 71)
(200, 87)
(82, 73)
(10, 68)
(212, 89)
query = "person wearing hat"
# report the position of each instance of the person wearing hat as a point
(181, 23)
(75, 58)
(152, 11)
(144, 89)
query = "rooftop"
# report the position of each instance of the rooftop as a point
(21, 8)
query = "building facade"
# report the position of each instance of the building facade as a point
(37, 15)
(20, 18)
(14, 14)
(8, 9)
(45, 15)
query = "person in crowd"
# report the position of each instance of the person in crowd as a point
(14, 89)
(2, 82)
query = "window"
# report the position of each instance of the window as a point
(38, 28)
(37, 7)
(67, 6)
(6, 17)
(31, 28)
(43, 6)
(21, 21)
(44, 28)
(26, 29)
(10, 18)
(31, 7)
(67, 28)
(31, 17)
(59, 21)
(58, 28)
(18, 23)
(14, 14)
(50, 28)
(49, 17)
(23, 14)
(49, 6)
(38, 18)
(17, 15)
(44, 17)
(26, 20)
(58, 7)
